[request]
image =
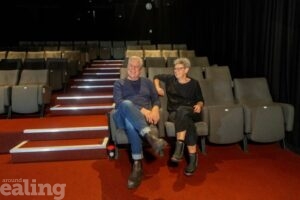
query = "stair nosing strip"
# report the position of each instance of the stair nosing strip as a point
(69, 129)
(84, 97)
(95, 79)
(91, 86)
(17, 149)
(97, 73)
(101, 68)
(81, 107)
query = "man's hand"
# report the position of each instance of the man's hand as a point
(152, 116)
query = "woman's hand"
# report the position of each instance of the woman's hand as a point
(198, 107)
(160, 91)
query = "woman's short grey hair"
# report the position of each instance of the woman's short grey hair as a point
(184, 61)
(139, 59)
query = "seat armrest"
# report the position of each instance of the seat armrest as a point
(288, 113)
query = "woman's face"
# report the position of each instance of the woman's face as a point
(180, 71)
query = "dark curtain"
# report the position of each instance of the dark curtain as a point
(254, 38)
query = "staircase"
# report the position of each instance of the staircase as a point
(89, 95)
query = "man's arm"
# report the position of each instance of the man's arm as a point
(117, 92)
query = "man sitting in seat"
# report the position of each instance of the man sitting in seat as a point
(137, 107)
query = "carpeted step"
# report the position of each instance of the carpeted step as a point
(58, 150)
(93, 81)
(81, 109)
(93, 74)
(75, 99)
(73, 132)
(91, 88)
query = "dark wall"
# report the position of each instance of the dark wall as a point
(96, 19)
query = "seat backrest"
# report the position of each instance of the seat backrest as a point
(169, 53)
(199, 61)
(155, 62)
(164, 46)
(106, 43)
(181, 46)
(35, 54)
(152, 53)
(65, 45)
(52, 54)
(32, 77)
(216, 92)
(131, 42)
(57, 63)
(218, 73)
(80, 45)
(134, 47)
(34, 63)
(118, 43)
(72, 55)
(16, 55)
(50, 48)
(52, 43)
(92, 43)
(170, 61)
(143, 42)
(9, 77)
(152, 71)
(15, 63)
(123, 72)
(149, 46)
(3, 55)
(196, 73)
(139, 53)
(58, 75)
(187, 53)
(252, 90)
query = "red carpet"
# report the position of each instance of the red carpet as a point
(225, 173)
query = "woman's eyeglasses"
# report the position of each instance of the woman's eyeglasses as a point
(178, 68)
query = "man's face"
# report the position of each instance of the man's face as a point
(134, 70)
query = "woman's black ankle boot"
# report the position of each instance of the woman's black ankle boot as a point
(192, 166)
(179, 150)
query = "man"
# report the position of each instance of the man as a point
(137, 107)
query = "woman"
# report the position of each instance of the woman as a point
(184, 105)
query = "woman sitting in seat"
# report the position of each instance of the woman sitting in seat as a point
(184, 105)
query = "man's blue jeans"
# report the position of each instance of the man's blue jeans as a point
(129, 118)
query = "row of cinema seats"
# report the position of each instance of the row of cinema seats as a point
(60, 69)
(235, 111)
(160, 53)
(196, 61)
(24, 91)
(37, 59)
(97, 49)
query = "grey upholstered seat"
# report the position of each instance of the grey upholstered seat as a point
(58, 73)
(265, 120)
(32, 93)
(8, 78)
(224, 117)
